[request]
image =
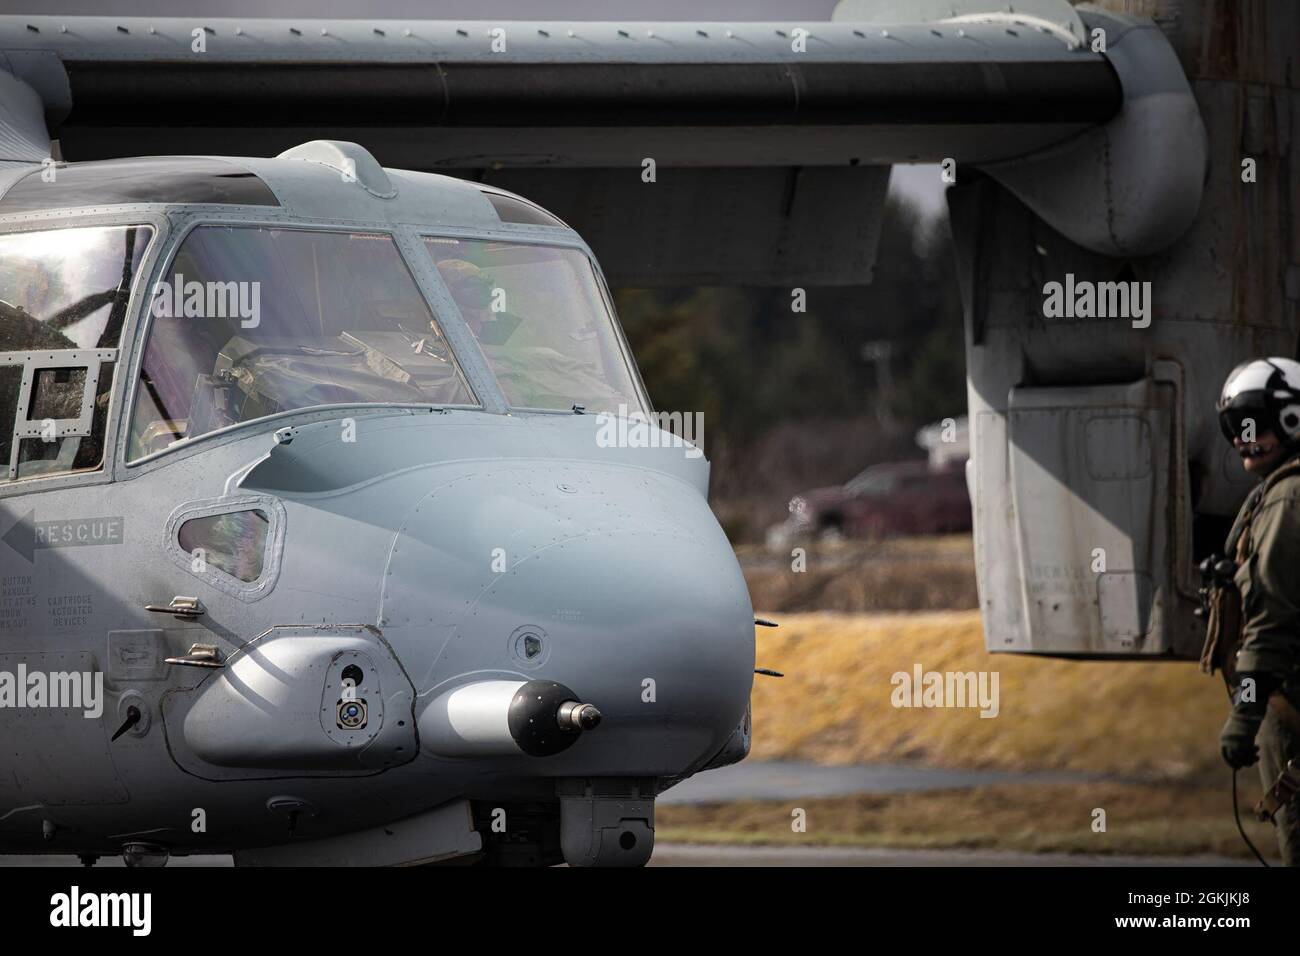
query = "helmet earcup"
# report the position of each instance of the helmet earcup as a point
(1288, 420)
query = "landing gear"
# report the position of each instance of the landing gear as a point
(607, 822)
(519, 834)
(598, 822)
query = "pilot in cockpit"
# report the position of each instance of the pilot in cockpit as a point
(475, 294)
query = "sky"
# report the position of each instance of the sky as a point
(921, 185)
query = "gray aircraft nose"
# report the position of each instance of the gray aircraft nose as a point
(616, 582)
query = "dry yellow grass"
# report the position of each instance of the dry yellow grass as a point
(833, 706)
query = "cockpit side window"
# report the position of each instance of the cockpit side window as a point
(63, 302)
(541, 321)
(251, 321)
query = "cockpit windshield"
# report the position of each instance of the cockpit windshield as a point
(253, 321)
(541, 321)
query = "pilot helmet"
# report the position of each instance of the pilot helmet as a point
(1263, 393)
(469, 286)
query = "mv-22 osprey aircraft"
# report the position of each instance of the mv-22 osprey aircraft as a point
(301, 457)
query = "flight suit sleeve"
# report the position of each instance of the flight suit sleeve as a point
(1270, 585)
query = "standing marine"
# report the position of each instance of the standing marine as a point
(1254, 592)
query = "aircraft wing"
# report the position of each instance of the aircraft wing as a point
(770, 142)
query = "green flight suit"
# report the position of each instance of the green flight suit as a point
(1268, 580)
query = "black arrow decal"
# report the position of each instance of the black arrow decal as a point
(22, 537)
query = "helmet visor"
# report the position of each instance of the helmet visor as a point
(1246, 421)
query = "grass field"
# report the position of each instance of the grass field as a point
(1148, 720)
(863, 612)
(1153, 726)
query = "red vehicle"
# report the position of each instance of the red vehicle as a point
(899, 498)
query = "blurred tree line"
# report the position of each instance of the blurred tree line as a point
(788, 399)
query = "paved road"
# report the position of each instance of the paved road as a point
(669, 854)
(791, 780)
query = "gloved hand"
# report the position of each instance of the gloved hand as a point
(1237, 740)
(1249, 705)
